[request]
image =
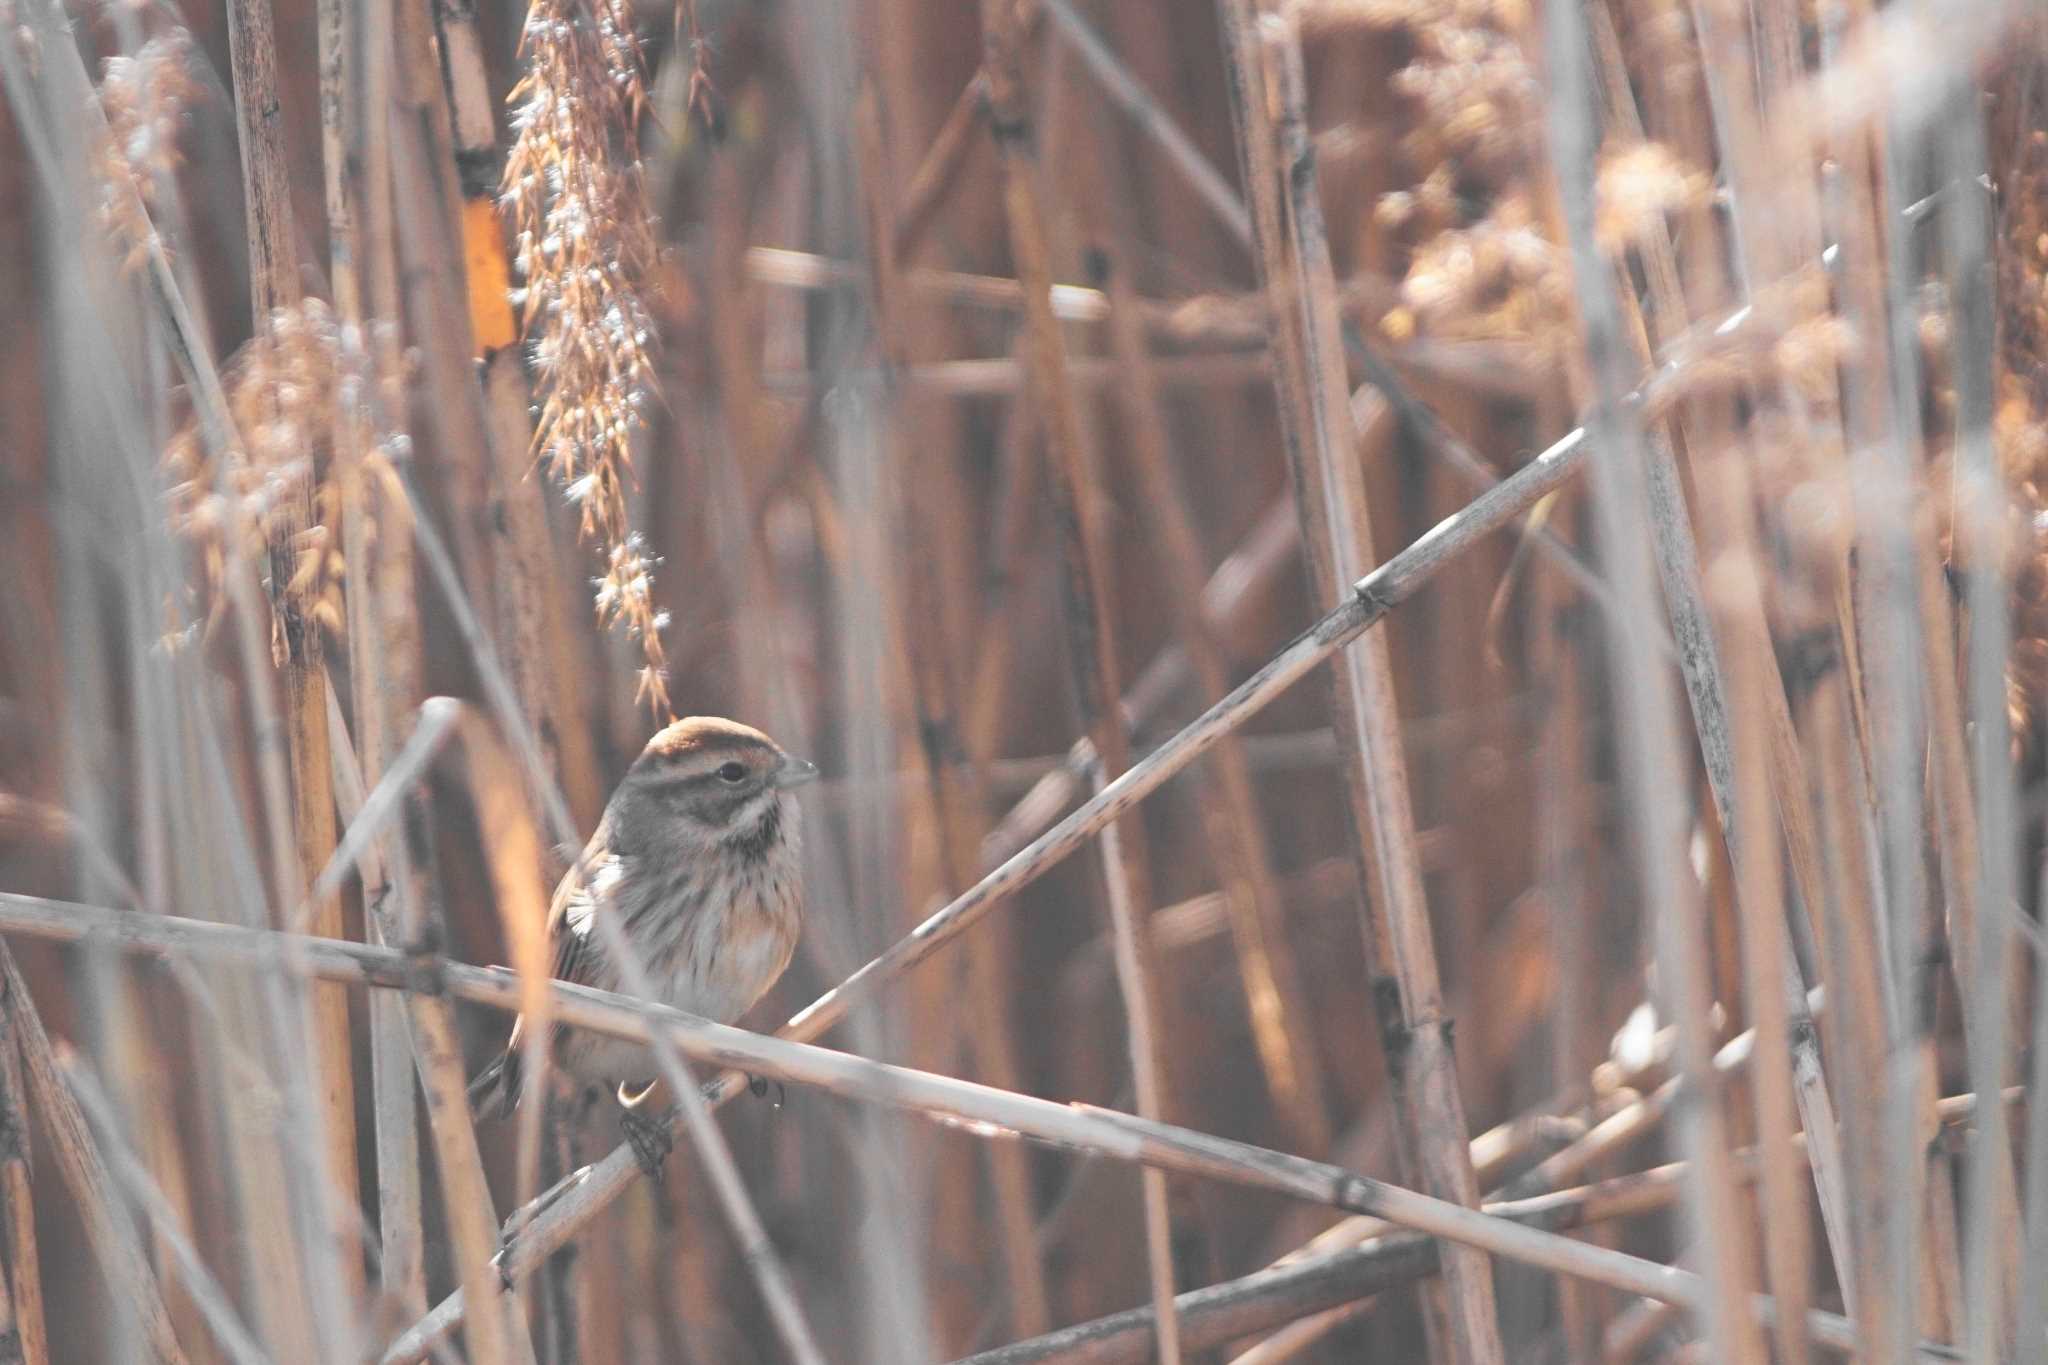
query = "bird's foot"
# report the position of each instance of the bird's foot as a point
(649, 1138)
(757, 1086)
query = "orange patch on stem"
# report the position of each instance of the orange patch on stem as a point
(490, 276)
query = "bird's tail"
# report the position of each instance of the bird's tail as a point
(495, 1090)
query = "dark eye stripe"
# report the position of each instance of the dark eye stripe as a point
(667, 778)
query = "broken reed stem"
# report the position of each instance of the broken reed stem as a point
(1292, 1290)
(1605, 1128)
(1091, 624)
(1269, 102)
(1122, 1137)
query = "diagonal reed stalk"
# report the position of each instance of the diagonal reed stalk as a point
(1122, 1137)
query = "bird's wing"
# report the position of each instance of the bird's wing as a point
(571, 918)
(570, 928)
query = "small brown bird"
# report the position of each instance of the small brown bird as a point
(696, 859)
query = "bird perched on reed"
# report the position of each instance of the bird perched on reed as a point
(697, 861)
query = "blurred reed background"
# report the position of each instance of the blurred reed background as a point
(408, 404)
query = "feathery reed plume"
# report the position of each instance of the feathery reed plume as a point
(1479, 265)
(584, 244)
(145, 97)
(1499, 279)
(306, 377)
(2020, 417)
(1640, 184)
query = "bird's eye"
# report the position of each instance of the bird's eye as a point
(732, 772)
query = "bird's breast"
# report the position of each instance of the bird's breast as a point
(734, 937)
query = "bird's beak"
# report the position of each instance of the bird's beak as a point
(794, 772)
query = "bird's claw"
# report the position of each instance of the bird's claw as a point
(649, 1139)
(757, 1086)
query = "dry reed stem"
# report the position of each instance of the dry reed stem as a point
(396, 901)
(401, 1260)
(1243, 858)
(1856, 1032)
(1091, 623)
(355, 60)
(1894, 548)
(933, 182)
(1649, 739)
(1441, 442)
(1132, 99)
(112, 1237)
(513, 852)
(296, 640)
(1731, 590)
(381, 671)
(1330, 1277)
(1122, 1137)
(1995, 1254)
(495, 1331)
(1008, 377)
(1269, 100)
(953, 786)
(259, 119)
(527, 607)
(17, 1205)
(1733, 609)
(445, 182)
(205, 1291)
(2033, 1308)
